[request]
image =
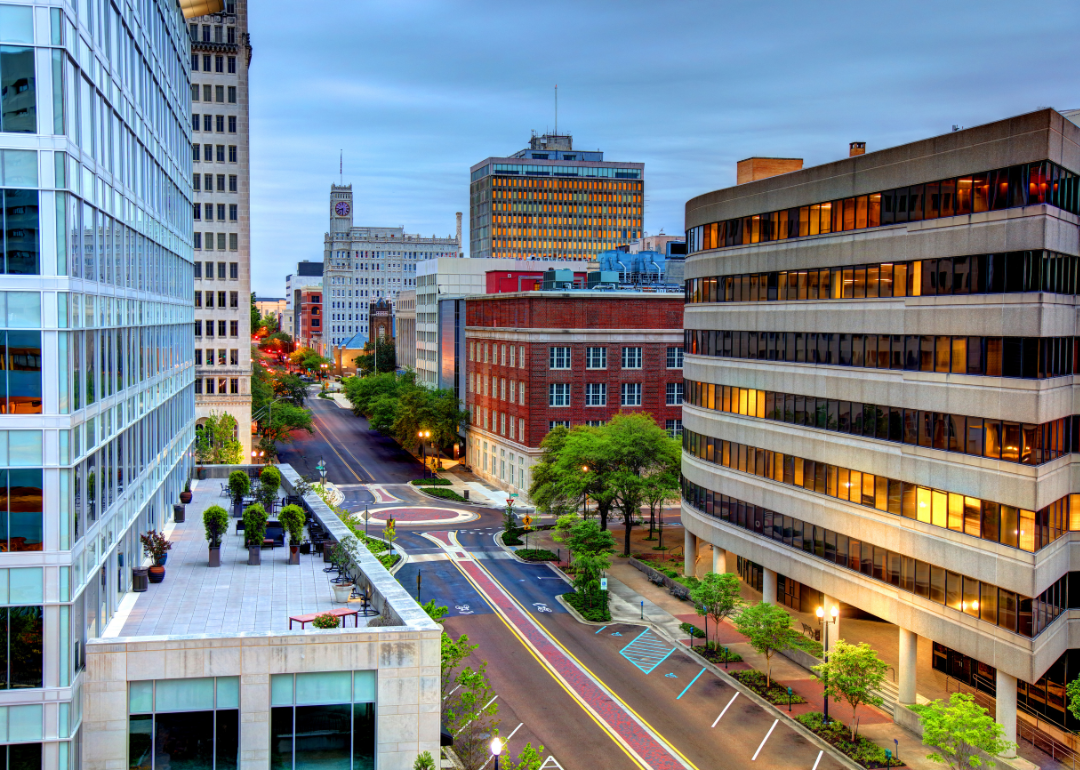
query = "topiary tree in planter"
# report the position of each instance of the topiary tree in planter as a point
(292, 517)
(216, 523)
(239, 485)
(269, 484)
(254, 531)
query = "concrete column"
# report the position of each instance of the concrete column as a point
(909, 647)
(834, 628)
(768, 586)
(1006, 707)
(731, 562)
(718, 559)
(690, 553)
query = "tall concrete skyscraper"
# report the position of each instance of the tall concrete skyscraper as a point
(96, 360)
(220, 55)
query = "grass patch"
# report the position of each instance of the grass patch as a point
(445, 494)
(687, 580)
(594, 608)
(806, 644)
(776, 694)
(536, 554)
(863, 751)
(435, 482)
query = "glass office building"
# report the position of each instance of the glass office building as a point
(96, 393)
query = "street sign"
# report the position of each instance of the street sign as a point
(526, 521)
(603, 584)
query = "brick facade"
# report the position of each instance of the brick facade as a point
(534, 322)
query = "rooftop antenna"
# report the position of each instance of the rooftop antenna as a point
(556, 109)
(341, 166)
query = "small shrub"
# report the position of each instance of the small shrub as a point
(216, 523)
(254, 524)
(536, 554)
(435, 482)
(512, 537)
(863, 751)
(716, 654)
(592, 607)
(239, 485)
(692, 630)
(806, 644)
(445, 494)
(776, 694)
(326, 620)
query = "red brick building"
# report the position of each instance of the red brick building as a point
(538, 359)
(311, 319)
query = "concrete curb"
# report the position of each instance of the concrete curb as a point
(578, 617)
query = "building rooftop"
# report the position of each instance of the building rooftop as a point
(232, 598)
(307, 268)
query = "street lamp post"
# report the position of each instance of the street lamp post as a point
(496, 749)
(423, 435)
(833, 613)
(585, 498)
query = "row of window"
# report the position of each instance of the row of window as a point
(208, 274)
(198, 185)
(1024, 185)
(596, 358)
(234, 328)
(596, 394)
(231, 39)
(211, 153)
(206, 211)
(234, 357)
(208, 93)
(1005, 273)
(1006, 524)
(501, 423)
(207, 243)
(1020, 357)
(673, 427)
(212, 63)
(997, 439)
(516, 359)
(211, 123)
(998, 606)
(234, 299)
(221, 385)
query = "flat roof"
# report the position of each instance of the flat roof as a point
(233, 598)
(674, 294)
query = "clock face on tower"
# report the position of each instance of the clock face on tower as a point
(341, 208)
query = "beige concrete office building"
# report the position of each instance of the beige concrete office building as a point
(881, 358)
(220, 55)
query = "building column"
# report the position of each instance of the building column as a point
(719, 559)
(768, 586)
(1006, 707)
(731, 562)
(909, 659)
(689, 553)
(828, 603)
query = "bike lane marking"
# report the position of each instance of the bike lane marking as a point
(631, 731)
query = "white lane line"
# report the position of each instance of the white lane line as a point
(733, 697)
(759, 748)
(818, 759)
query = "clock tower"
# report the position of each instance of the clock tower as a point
(341, 212)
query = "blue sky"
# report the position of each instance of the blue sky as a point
(415, 92)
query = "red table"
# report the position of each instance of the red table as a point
(340, 612)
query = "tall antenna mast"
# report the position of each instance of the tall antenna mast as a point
(341, 166)
(556, 109)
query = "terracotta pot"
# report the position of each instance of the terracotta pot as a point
(215, 557)
(156, 573)
(185, 497)
(254, 554)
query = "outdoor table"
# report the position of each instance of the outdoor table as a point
(340, 612)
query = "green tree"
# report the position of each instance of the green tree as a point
(424, 762)
(471, 715)
(216, 441)
(717, 596)
(292, 517)
(661, 486)
(216, 524)
(381, 352)
(254, 524)
(255, 315)
(1072, 692)
(854, 673)
(239, 485)
(528, 759)
(768, 629)
(291, 388)
(959, 730)
(280, 422)
(546, 490)
(585, 537)
(269, 484)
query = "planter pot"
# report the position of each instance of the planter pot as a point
(156, 573)
(238, 510)
(185, 497)
(215, 556)
(294, 554)
(201, 472)
(160, 561)
(254, 554)
(342, 592)
(326, 554)
(179, 513)
(305, 548)
(139, 579)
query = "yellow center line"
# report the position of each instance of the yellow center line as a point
(346, 448)
(617, 739)
(585, 668)
(343, 461)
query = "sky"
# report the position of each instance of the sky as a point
(414, 92)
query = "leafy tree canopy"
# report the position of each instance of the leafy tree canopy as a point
(957, 730)
(854, 673)
(768, 629)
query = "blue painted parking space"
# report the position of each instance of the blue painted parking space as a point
(647, 651)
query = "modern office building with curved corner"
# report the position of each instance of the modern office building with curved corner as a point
(881, 409)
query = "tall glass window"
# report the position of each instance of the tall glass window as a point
(325, 720)
(21, 648)
(184, 724)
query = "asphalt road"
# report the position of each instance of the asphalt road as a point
(353, 453)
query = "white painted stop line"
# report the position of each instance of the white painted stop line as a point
(759, 748)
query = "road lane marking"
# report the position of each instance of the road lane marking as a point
(332, 449)
(505, 742)
(553, 669)
(818, 759)
(600, 629)
(753, 758)
(553, 761)
(733, 697)
(345, 446)
(646, 653)
(699, 673)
